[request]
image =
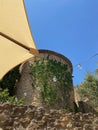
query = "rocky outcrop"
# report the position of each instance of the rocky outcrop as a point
(29, 117)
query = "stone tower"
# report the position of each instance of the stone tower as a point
(31, 94)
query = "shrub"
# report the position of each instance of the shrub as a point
(4, 97)
(88, 90)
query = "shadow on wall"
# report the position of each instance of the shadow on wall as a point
(85, 108)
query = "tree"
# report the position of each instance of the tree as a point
(88, 90)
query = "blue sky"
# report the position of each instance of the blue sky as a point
(69, 27)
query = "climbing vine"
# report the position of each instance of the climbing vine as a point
(52, 78)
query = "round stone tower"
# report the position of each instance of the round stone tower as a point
(61, 88)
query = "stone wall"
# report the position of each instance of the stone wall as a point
(24, 87)
(30, 117)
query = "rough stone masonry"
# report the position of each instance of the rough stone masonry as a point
(13, 117)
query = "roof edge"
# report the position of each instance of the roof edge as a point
(58, 55)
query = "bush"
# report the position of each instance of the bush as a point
(4, 97)
(88, 90)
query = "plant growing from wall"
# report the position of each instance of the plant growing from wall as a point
(52, 79)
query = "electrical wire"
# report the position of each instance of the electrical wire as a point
(79, 65)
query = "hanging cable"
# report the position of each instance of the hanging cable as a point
(79, 65)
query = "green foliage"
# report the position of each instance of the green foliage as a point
(4, 97)
(9, 80)
(51, 77)
(88, 90)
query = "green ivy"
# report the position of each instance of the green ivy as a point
(51, 77)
